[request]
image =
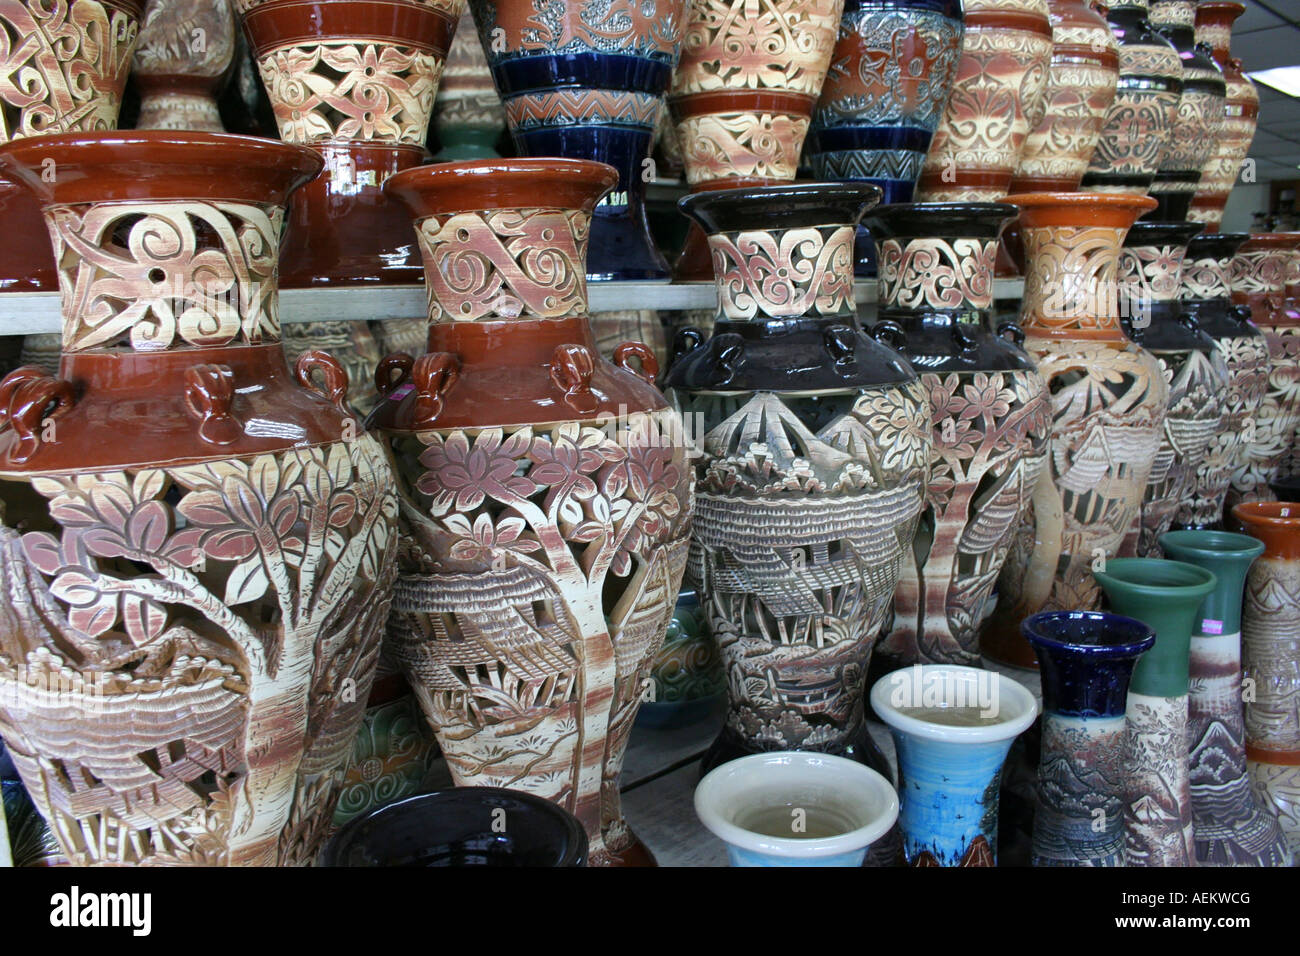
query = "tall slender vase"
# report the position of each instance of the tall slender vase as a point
(1086, 659)
(1167, 597)
(1109, 399)
(194, 605)
(1205, 295)
(468, 117)
(185, 55)
(1230, 825)
(1270, 630)
(814, 449)
(548, 500)
(990, 417)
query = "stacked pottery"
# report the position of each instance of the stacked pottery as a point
(1197, 375)
(990, 417)
(886, 90)
(185, 56)
(1109, 399)
(1206, 296)
(996, 100)
(587, 81)
(190, 639)
(814, 447)
(744, 94)
(1230, 825)
(1214, 20)
(1166, 596)
(549, 503)
(1086, 659)
(467, 114)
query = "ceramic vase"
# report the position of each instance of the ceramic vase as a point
(796, 809)
(1197, 375)
(952, 729)
(1270, 629)
(686, 679)
(549, 504)
(1109, 399)
(587, 81)
(1214, 20)
(185, 55)
(990, 417)
(1141, 119)
(1206, 296)
(355, 80)
(68, 62)
(1230, 826)
(356, 347)
(193, 631)
(468, 117)
(743, 97)
(997, 98)
(612, 329)
(891, 72)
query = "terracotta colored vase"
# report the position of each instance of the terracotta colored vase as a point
(1214, 20)
(1231, 827)
(997, 98)
(549, 503)
(744, 94)
(1196, 373)
(355, 80)
(888, 84)
(990, 418)
(587, 81)
(468, 117)
(184, 57)
(1271, 655)
(1206, 296)
(1141, 120)
(815, 445)
(1109, 399)
(67, 61)
(1086, 659)
(196, 607)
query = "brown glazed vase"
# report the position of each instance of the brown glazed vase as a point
(70, 82)
(1214, 20)
(1006, 52)
(185, 55)
(355, 80)
(549, 495)
(743, 97)
(1109, 399)
(195, 604)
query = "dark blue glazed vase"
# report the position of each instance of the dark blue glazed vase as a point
(587, 81)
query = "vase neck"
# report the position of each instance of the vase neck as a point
(1071, 281)
(1258, 270)
(1207, 267)
(802, 272)
(1215, 30)
(1151, 268)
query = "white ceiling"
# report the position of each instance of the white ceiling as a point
(1267, 35)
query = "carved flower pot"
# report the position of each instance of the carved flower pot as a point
(67, 63)
(355, 80)
(587, 81)
(997, 99)
(990, 418)
(814, 447)
(468, 117)
(743, 97)
(195, 606)
(1109, 399)
(185, 55)
(549, 502)
(891, 72)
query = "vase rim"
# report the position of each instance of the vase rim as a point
(1137, 202)
(1136, 639)
(1229, 8)
(754, 203)
(1157, 577)
(1212, 543)
(1271, 240)
(479, 184)
(1265, 514)
(1180, 230)
(1023, 713)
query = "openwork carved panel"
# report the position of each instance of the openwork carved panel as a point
(783, 274)
(722, 145)
(936, 273)
(1141, 119)
(1071, 277)
(1258, 271)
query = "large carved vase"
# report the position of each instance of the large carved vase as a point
(194, 608)
(355, 80)
(548, 506)
(990, 418)
(1109, 399)
(743, 97)
(587, 81)
(997, 98)
(185, 55)
(1214, 20)
(814, 447)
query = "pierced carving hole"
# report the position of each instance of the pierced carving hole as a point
(157, 276)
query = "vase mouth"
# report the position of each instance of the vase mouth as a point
(794, 779)
(945, 220)
(1092, 634)
(1150, 232)
(1216, 245)
(1228, 9)
(780, 206)
(1272, 241)
(954, 686)
(484, 184)
(1268, 514)
(1114, 210)
(1211, 544)
(1156, 578)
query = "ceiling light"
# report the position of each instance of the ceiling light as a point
(1284, 79)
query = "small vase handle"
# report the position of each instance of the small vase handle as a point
(649, 364)
(1189, 322)
(209, 395)
(385, 381)
(433, 375)
(728, 350)
(1012, 332)
(687, 339)
(840, 342)
(334, 374)
(26, 395)
(889, 332)
(1241, 313)
(572, 366)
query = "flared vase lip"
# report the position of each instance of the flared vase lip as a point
(1115, 210)
(1151, 231)
(780, 206)
(480, 184)
(158, 165)
(719, 788)
(1137, 637)
(1156, 578)
(904, 682)
(1276, 241)
(1212, 544)
(975, 217)
(1268, 514)
(1227, 10)
(1217, 245)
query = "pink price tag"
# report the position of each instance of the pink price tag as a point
(1211, 627)
(401, 393)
